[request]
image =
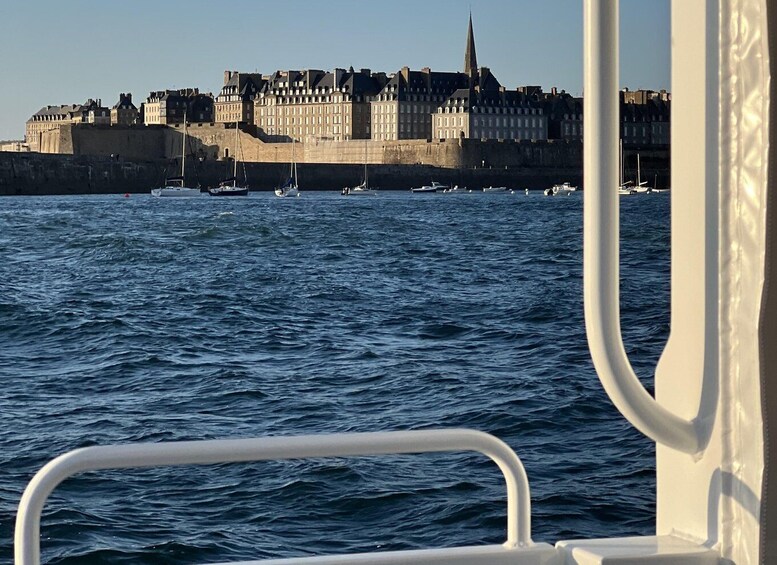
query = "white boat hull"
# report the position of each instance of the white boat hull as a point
(287, 192)
(176, 192)
(360, 192)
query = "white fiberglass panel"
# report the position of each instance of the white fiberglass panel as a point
(710, 369)
(744, 101)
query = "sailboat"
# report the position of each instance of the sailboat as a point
(290, 187)
(174, 186)
(364, 188)
(642, 186)
(624, 188)
(229, 186)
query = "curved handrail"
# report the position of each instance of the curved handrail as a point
(601, 237)
(27, 534)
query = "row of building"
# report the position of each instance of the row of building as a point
(341, 105)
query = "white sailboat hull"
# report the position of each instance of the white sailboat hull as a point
(287, 192)
(176, 191)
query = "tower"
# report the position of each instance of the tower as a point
(470, 58)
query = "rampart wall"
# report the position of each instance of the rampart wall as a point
(214, 142)
(101, 159)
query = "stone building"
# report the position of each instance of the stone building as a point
(483, 109)
(168, 107)
(14, 146)
(314, 104)
(645, 117)
(124, 112)
(235, 102)
(490, 113)
(564, 113)
(403, 108)
(52, 117)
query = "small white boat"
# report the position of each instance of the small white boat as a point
(434, 187)
(563, 189)
(494, 188)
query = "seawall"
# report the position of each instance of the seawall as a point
(38, 174)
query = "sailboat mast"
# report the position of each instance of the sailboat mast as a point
(183, 151)
(366, 184)
(234, 160)
(293, 165)
(639, 175)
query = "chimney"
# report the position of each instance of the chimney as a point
(406, 73)
(554, 91)
(227, 76)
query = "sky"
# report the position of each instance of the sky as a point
(56, 52)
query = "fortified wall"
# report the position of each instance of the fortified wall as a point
(209, 142)
(39, 174)
(89, 159)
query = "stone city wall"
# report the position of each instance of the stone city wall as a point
(214, 142)
(39, 174)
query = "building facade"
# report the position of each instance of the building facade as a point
(404, 108)
(169, 107)
(235, 102)
(52, 117)
(314, 104)
(564, 113)
(645, 117)
(490, 114)
(124, 112)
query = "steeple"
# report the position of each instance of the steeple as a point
(470, 58)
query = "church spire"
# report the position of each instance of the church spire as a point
(470, 58)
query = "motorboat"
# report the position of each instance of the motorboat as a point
(494, 188)
(434, 187)
(563, 189)
(714, 404)
(456, 189)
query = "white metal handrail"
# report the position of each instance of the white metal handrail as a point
(27, 534)
(601, 237)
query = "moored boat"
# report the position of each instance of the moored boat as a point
(434, 187)
(175, 186)
(229, 186)
(290, 188)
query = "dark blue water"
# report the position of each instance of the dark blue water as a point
(141, 319)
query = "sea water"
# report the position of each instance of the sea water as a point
(144, 320)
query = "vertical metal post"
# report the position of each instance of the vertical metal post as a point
(600, 255)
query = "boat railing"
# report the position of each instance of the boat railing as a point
(27, 535)
(601, 279)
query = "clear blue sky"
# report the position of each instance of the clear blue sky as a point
(58, 52)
